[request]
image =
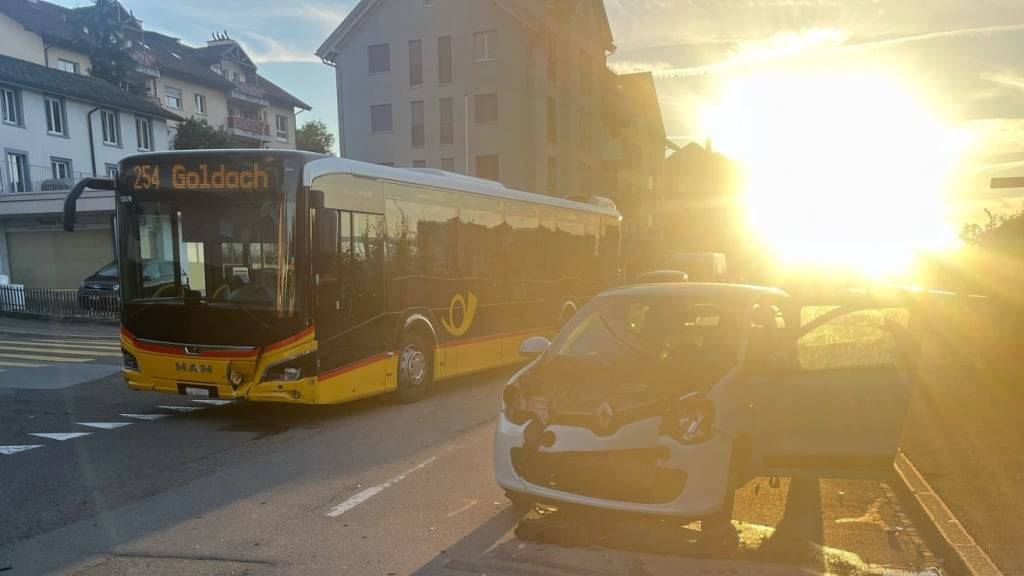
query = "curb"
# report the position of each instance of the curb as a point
(63, 319)
(958, 545)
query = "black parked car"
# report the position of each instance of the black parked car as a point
(100, 291)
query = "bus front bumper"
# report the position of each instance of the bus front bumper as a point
(302, 391)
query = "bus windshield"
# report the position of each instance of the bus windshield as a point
(212, 250)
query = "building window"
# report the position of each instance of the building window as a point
(380, 58)
(487, 167)
(585, 69)
(419, 163)
(111, 130)
(16, 172)
(380, 118)
(447, 122)
(444, 60)
(415, 62)
(552, 67)
(552, 176)
(235, 76)
(173, 97)
(281, 124)
(448, 164)
(111, 170)
(429, 3)
(485, 108)
(144, 133)
(67, 65)
(583, 185)
(10, 106)
(61, 168)
(419, 139)
(200, 104)
(485, 46)
(56, 121)
(585, 130)
(552, 120)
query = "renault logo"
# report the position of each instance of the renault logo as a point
(604, 415)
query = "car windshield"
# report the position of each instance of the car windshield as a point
(644, 329)
(109, 271)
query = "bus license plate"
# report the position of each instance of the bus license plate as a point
(197, 392)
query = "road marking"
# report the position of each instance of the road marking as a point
(101, 347)
(145, 416)
(182, 408)
(105, 425)
(60, 436)
(22, 364)
(55, 334)
(372, 491)
(8, 450)
(463, 509)
(28, 348)
(44, 358)
(212, 401)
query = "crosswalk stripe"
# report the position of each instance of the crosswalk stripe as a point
(44, 358)
(90, 343)
(60, 436)
(58, 351)
(22, 364)
(105, 425)
(145, 416)
(102, 347)
(8, 450)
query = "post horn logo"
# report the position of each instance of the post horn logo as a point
(468, 307)
(604, 415)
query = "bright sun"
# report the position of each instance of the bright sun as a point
(843, 169)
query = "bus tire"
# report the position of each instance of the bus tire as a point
(415, 367)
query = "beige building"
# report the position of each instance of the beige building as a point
(508, 90)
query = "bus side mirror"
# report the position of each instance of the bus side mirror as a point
(71, 201)
(327, 228)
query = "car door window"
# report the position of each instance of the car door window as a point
(835, 338)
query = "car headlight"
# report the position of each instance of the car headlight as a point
(117, 287)
(691, 422)
(292, 369)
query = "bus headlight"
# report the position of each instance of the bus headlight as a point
(235, 377)
(292, 369)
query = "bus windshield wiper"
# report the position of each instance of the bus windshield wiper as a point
(236, 305)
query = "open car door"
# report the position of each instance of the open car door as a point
(833, 399)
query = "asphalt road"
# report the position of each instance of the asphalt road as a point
(373, 487)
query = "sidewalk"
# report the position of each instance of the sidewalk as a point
(964, 434)
(55, 327)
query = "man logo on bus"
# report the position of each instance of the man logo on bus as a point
(468, 306)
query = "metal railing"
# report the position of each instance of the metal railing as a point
(63, 303)
(15, 178)
(249, 125)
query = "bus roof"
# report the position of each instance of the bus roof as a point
(439, 179)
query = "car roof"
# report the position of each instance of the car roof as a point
(698, 289)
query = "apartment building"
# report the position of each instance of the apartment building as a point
(508, 90)
(59, 125)
(633, 167)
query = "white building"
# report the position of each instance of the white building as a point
(57, 127)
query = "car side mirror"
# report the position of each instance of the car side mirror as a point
(534, 346)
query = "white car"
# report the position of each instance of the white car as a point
(664, 399)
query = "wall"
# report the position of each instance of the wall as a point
(41, 146)
(18, 42)
(56, 53)
(216, 103)
(292, 119)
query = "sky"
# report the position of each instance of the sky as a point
(965, 58)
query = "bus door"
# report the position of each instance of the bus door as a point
(351, 328)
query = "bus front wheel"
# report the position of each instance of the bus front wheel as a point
(415, 367)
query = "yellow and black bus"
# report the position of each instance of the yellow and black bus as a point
(297, 277)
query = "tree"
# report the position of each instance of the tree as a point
(196, 134)
(109, 55)
(1002, 233)
(314, 137)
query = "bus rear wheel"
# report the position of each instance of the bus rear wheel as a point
(415, 368)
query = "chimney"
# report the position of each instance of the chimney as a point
(220, 39)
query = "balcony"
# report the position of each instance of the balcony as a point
(248, 127)
(145, 63)
(247, 92)
(18, 179)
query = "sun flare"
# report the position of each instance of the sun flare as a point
(843, 169)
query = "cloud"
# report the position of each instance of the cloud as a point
(263, 49)
(1004, 79)
(634, 66)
